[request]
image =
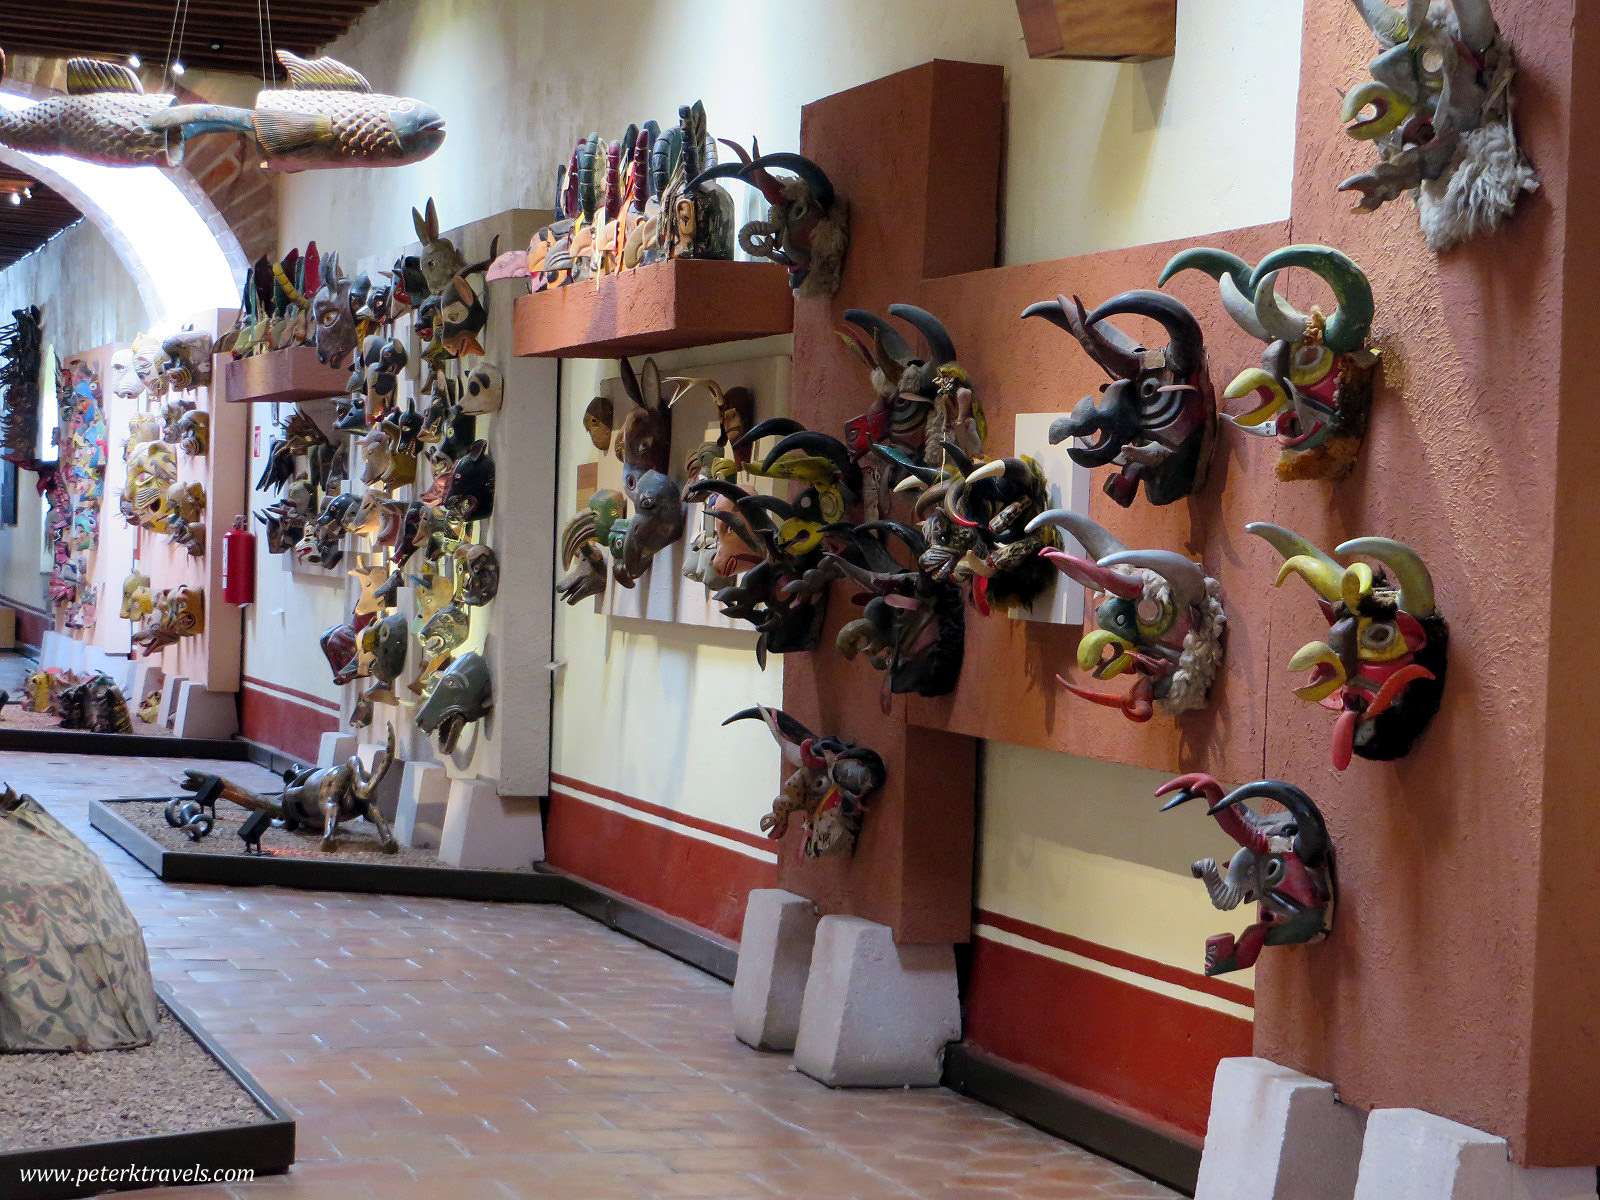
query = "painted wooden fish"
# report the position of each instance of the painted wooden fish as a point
(329, 116)
(104, 118)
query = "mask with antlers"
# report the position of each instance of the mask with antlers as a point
(1161, 619)
(1315, 380)
(1382, 668)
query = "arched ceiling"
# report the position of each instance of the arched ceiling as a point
(219, 35)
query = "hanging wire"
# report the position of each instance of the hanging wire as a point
(261, 41)
(271, 47)
(172, 34)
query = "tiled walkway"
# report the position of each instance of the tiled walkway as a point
(436, 1049)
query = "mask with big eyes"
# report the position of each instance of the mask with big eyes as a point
(147, 360)
(1161, 621)
(333, 319)
(477, 574)
(1382, 668)
(485, 389)
(462, 316)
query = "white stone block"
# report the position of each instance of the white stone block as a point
(876, 1014)
(775, 947)
(1414, 1155)
(203, 714)
(335, 748)
(484, 830)
(170, 688)
(50, 647)
(1275, 1134)
(143, 677)
(424, 797)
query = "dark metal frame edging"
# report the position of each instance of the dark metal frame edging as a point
(265, 1147)
(127, 745)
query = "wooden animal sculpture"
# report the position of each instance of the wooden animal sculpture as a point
(328, 116)
(1284, 866)
(828, 788)
(332, 317)
(1314, 384)
(1382, 668)
(1161, 620)
(1438, 109)
(462, 693)
(104, 118)
(583, 547)
(319, 798)
(808, 223)
(646, 441)
(656, 522)
(1156, 419)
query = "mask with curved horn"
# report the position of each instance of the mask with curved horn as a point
(831, 779)
(1156, 418)
(808, 224)
(1438, 110)
(1161, 620)
(1284, 865)
(1382, 667)
(1313, 391)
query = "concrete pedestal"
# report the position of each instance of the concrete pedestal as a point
(775, 947)
(170, 687)
(876, 1014)
(424, 797)
(139, 679)
(202, 714)
(1414, 1155)
(486, 831)
(1275, 1134)
(335, 748)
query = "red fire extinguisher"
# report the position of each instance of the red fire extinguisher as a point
(239, 563)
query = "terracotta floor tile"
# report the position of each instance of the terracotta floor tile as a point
(437, 1049)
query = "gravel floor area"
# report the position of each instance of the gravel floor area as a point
(357, 842)
(169, 1086)
(14, 717)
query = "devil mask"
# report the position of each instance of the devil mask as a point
(808, 224)
(1382, 668)
(828, 789)
(1314, 385)
(1161, 619)
(1284, 865)
(462, 693)
(470, 496)
(1438, 108)
(1156, 419)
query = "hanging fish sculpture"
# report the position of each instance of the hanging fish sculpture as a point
(328, 116)
(104, 118)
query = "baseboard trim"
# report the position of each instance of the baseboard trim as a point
(1072, 1115)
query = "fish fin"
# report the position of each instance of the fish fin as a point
(322, 74)
(89, 75)
(284, 132)
(195, 119)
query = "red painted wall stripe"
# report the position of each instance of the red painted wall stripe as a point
(742, 836)
(1147, 967)
(683, 876)
(266, 685)
(1139, 1050)
(287, 725)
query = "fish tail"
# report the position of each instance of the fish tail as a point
(194, 119)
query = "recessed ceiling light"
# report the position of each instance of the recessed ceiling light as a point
(177, 68)
(135, 61)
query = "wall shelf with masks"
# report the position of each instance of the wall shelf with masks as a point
(282, 376)
(672, 305)
(1130, 31)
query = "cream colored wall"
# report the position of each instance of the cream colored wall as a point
(88, 300)
(1100, 155)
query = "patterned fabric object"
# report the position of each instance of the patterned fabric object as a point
(74, 974)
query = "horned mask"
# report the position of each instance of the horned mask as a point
(1382, 667)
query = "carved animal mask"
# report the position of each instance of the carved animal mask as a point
(187, 359)
(808, 224)
(137, 600)
(1284, 865)
(332, 315)
(147, 360)
(194, 432)
(1314, 386)
(470, 496)
(597, 422)
(485, 389)
(1438, 108)
(1382, 668)
(655, 523)
(1156, 418)
(646, 443)
(828, 790)
(462, 693)
(1161, 619)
